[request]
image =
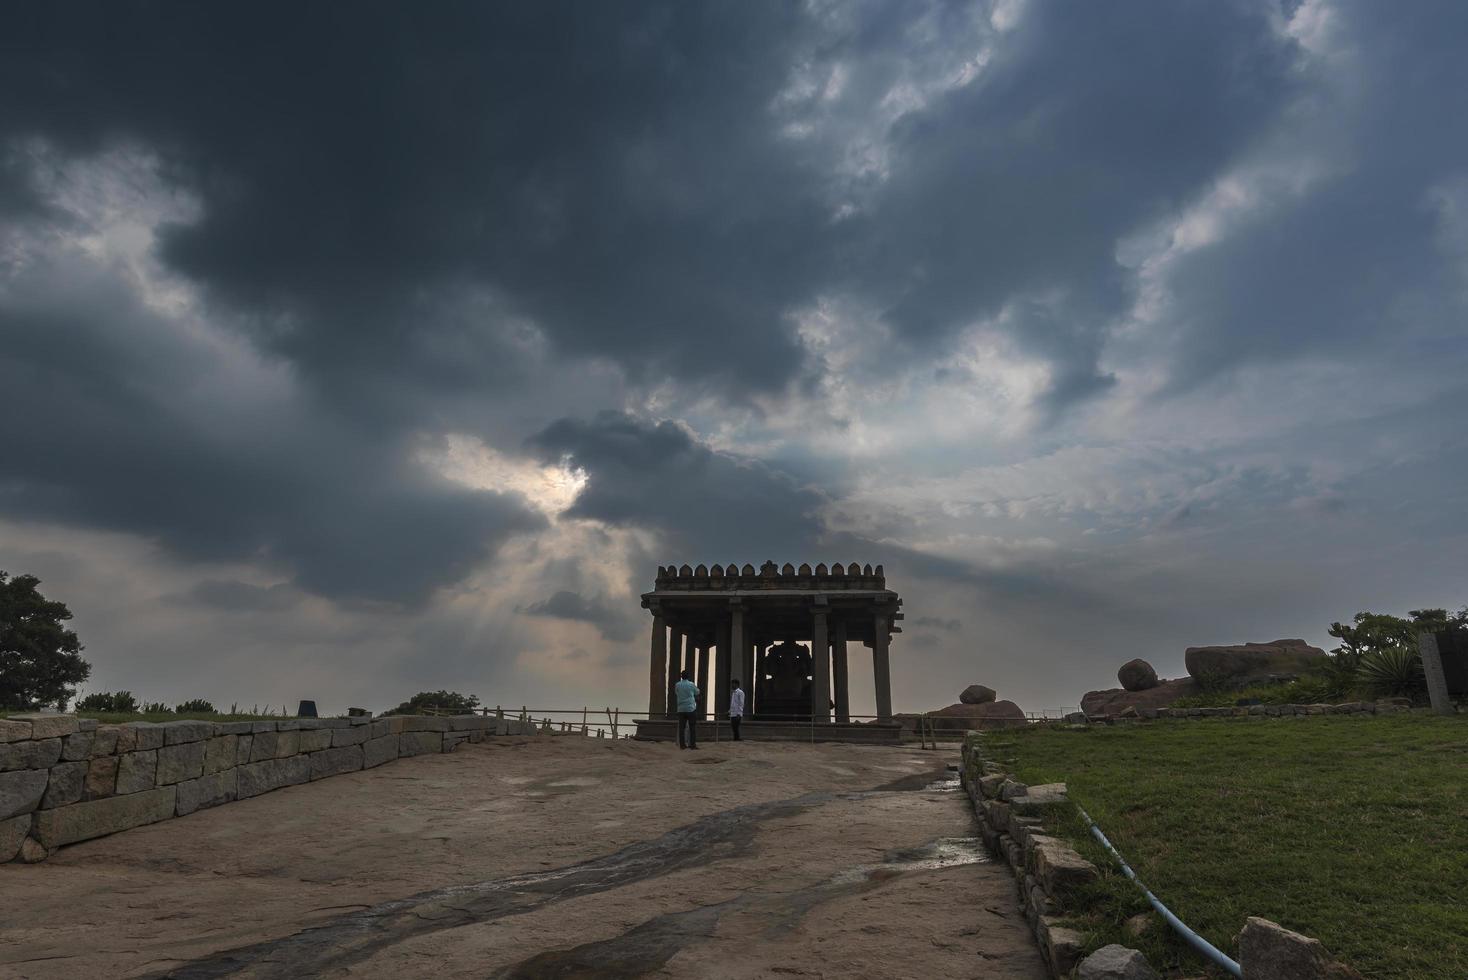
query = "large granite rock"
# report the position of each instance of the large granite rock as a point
(12, 833)
(35, 754)
(355, 735)
(48, 725)
(962, 717)
(82, 821)
(104, 741)
(376, 751)
(139, 736)
(1137, 675)
(419, 743)
(180, 761)
(1268, 951)
(21, 792)
(101, 777)
(14, 731)
(206, 791)
(65, 785)
(220, 753)
(76, 747)
(1099, 704)
(334, 762)
(978, 694)
(179, 732)
(268, 774)
(314, 740)
(275, 745)
(1251, 663)
(137, 771)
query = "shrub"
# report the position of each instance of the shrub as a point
(1213, 681)
(439, 702)
(157, 708)
(1392, 672)
(1311, 689)
(198, 706)
(117, 701)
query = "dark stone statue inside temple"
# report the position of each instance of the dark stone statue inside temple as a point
(784, 682)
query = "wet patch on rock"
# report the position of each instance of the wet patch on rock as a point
(649, 946)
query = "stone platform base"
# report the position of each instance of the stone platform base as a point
(660, 729)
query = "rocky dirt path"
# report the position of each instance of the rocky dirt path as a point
(543, 857)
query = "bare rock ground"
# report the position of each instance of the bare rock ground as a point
(544, 857)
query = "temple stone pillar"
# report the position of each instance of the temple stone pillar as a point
(820, 668)
(657, 681)
(675, 667)
(756, 669)
(749, 656)
(703, 678)
(882, 667)
(730, 660)
(1432, 669)
(737, 644)
(721, 643)
(838, 669)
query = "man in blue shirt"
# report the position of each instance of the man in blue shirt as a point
(687, 693)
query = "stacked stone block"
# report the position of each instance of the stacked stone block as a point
(65, 779)
(1047, 871)
(1356, 708)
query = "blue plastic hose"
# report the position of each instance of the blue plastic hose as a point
(1196, 941)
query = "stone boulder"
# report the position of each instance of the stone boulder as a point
(1137, 675)
(1251, 663)
(1115, 962)
(978, 694)
(962, 717)
(1268, 951)
(1101, 704)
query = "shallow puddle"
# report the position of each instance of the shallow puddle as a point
(945, 852)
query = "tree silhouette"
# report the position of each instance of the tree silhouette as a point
(40, 659)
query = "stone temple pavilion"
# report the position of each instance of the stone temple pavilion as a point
(783, 633)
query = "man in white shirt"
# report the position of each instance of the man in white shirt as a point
(736, 709)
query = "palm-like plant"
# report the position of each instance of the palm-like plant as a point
(1391, 672)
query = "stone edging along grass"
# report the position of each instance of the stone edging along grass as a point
(65, 779)
(1359, 708)
(1049, 872)
(1046, 870)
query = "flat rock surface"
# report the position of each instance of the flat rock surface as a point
(525, 857)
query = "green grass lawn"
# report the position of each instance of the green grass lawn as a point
(1351, 830)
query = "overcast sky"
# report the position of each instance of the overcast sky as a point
(351, 350)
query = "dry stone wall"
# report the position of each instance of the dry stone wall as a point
(65, 779)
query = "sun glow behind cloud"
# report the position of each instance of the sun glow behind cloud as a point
(467, 460)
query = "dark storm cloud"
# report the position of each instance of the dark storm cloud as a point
(1358, 259)
(615, 623)
(617, 174)
(226, 595)
(395, 202)
(657, 476)
(711, 506)
(607, 168)
(1091, 121)
(128, 425)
